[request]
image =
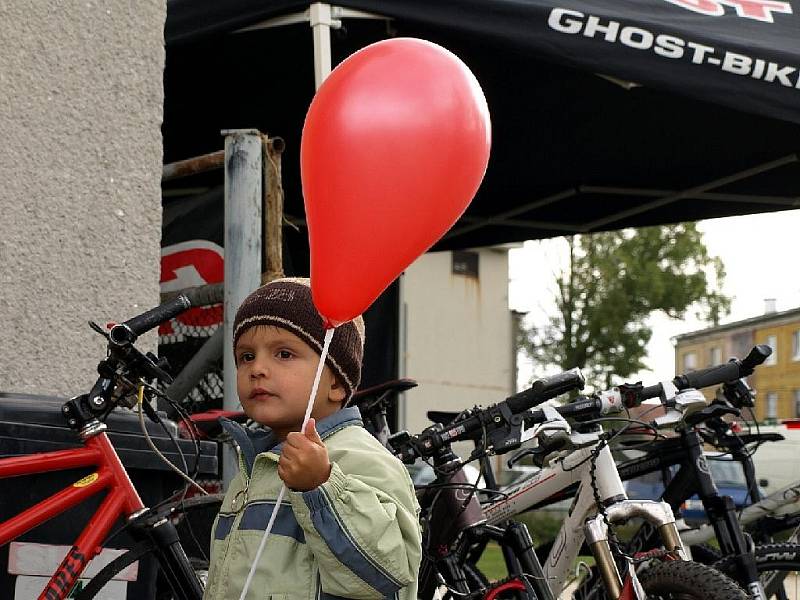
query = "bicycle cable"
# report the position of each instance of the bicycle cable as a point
(184, 476)
(193, 434)
(188, 423)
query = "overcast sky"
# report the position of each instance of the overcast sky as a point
(761, 254)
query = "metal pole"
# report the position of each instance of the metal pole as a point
(321, 23)
(243, 199)
(191, 166)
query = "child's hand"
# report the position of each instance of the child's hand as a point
(304, 463)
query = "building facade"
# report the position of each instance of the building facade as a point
(777, 381)
(456, 333)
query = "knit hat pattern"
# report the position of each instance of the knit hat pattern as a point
(287, 303)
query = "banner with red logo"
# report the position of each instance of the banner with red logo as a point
(192, 254)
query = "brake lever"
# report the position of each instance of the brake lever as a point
(154, 368)
(150, 411)
(713, 411)
(98, 329)
(519, 456)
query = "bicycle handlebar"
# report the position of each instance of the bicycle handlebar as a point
(716, 375)
(513, 410)
(546, 389)
(487, 420)
(582, 407)
(146, 321)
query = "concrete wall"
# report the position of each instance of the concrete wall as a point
(458, 341)
(81, 102)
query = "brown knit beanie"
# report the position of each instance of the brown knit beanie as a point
(287, 303)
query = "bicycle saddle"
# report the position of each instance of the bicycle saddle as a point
(382, 391)
(442, 416)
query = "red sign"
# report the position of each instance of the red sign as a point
(185, 265)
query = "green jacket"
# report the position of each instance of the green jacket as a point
(355, 536)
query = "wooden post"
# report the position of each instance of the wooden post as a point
(273, 209)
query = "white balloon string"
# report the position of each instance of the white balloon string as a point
(314, 388)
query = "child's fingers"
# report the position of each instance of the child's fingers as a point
(295, 440)
(311, 432)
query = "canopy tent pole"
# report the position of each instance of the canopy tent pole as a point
(322, 17)
(321, 22)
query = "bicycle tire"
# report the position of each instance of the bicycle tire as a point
(659, 581)
(107, 573)
(144, 547)
(686, 580)
(772, 558)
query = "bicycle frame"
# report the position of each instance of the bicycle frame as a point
(122, 500)
(583, 520)
(693, 476)
(761, 509)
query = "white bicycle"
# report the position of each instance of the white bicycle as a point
(579, 458)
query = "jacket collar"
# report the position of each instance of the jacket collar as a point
(253, 442)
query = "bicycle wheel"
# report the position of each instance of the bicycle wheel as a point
(107, 573)
(687, 580)
(145, 550)
(671, 579)
(778, 566)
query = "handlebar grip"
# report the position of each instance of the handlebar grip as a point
(545, 389)
(651, 391)
(153, 317)
(205, 295)
(756, 357)
(708, 377)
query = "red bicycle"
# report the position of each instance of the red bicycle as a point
(125, 370)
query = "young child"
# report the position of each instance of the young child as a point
(348, 526)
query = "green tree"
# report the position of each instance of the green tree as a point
(612, 282)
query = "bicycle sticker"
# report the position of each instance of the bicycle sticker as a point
(88, 480)
(702, 465)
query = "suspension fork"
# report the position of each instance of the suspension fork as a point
(170, 554)
(721, 510)
(518, 550)
(658, 514)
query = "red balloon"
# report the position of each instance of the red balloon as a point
(394, 147)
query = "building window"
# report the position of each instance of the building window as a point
(772, 342)
(772, 405)
(465, 263)
(689, 361)
(797, 403)
(714, 356)
(796, 345)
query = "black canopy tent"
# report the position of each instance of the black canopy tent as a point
(605, 115)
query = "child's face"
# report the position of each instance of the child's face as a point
(274, 373)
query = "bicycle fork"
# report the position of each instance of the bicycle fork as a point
(658, 514)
